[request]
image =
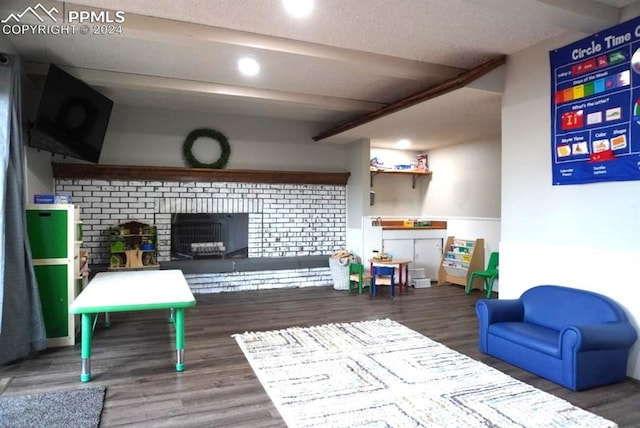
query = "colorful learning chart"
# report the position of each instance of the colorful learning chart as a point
(595, 107)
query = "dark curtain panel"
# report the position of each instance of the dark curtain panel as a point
(22, 328)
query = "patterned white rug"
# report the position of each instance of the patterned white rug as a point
(383, 374)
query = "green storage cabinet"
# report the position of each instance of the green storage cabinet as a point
(53, 288)
(47, 229)
(55, 234)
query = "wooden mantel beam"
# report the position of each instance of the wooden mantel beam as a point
(163, 173)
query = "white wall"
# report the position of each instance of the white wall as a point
(357, 160)
(146, 136)
(39, 173)
(465, 181)
(464, 190)
(153, 136)
(581, 236)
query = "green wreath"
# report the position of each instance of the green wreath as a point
(191, 160)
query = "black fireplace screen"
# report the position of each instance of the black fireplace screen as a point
(209, 236)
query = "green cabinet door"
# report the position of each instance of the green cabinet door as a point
(53, 287)
(48, 233)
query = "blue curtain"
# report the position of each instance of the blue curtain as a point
(21, 325)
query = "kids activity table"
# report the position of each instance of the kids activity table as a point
(133, 291)
(401, 264)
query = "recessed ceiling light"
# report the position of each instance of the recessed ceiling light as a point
(248, 66)
(298, 8)
(403, 144)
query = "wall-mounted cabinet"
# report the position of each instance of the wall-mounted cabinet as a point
(60, 265)
(133, 246)
(460, 258)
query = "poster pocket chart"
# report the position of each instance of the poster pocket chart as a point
(595, 107)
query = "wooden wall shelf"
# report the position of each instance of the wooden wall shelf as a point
(415, 174)
(163, 173)
(399, 225)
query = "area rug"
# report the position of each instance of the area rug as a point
(78, 408)
(383, 374)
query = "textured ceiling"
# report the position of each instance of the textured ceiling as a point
(349, 58)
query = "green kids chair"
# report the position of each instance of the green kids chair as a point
(358, 276)
(489, 275)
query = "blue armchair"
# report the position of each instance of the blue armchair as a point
(576, 338)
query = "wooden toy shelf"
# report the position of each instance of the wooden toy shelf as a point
(459, 259)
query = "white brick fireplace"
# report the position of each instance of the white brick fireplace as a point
(285, 220)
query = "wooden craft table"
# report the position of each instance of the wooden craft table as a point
(133, 291)
(400, 264)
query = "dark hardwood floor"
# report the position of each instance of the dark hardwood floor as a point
(135, 358)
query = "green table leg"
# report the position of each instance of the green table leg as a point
(85, 375)
(179, 323)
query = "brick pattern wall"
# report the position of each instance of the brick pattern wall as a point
(284, 220)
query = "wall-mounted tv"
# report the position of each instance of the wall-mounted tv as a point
(72, 117)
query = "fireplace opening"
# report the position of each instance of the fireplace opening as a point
(209, 236)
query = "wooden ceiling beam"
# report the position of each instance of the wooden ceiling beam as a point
(460, 81)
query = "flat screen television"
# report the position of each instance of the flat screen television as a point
(72, 117)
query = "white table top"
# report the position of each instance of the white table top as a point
(134, 290)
